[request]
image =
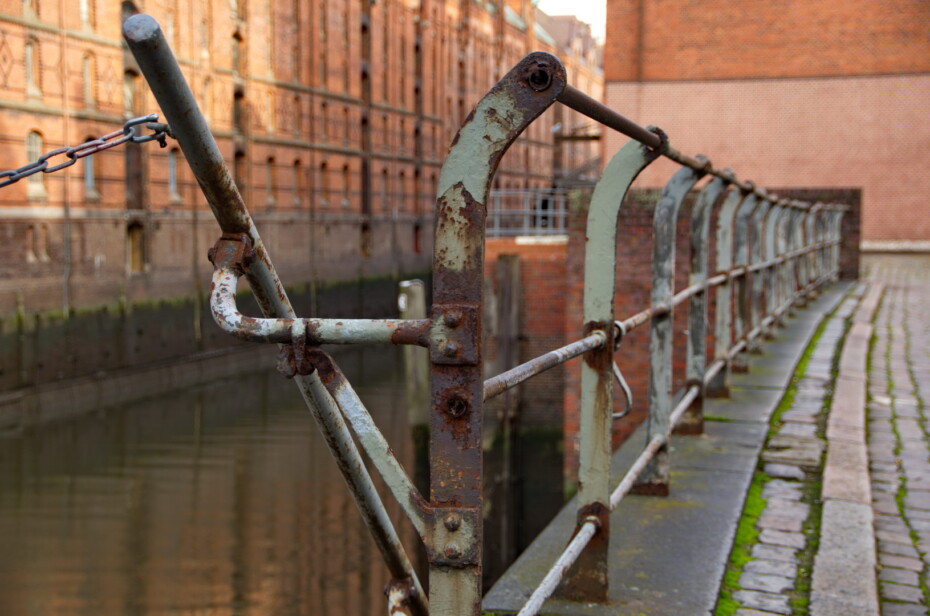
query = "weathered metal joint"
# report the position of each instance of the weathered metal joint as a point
(601, 357)
(596, 513)
(663, 146)
(294, 358)
(538, 74)
(232, 250)
(399, 593)
(619, 333)
(452, 539)
(454, 334)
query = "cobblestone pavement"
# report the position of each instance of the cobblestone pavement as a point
(899, 432)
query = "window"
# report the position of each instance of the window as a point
(31, 60)
(296, 178)
(345, 186)
(31, 8)
(90, 178)
(87, 14)
(173, 194)
(35, 186)
(269, 180)
(87, 74)
(135, 248)
(324, 185)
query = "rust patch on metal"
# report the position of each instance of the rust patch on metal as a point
(233, 250)
(587, 579)
(600, 359)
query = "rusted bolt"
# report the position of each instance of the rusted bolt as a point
(452, 552)
(457, 405)
(452, 522)
(540, 79)
(453, 318)
(450, 349)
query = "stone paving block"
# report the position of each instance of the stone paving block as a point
(794, 428)
(750, 612)
(787, 508)
(898, 549)
(903, 609)
(766, 583)
(763, 551)
(845, 474)
(778, 522)
(903, 562)
(802, 452)
(764, 601)
(901, 592)
(892, 537)
(772, 567)
(843, 580)
(799, 416)
(782, 489)
(917, 500)
(784, 471)
(898, 576)
(778, 537)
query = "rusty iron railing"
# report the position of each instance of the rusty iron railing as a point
(771, 254)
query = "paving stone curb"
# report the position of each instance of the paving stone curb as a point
(844, 577)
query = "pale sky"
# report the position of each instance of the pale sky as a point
(593, 12)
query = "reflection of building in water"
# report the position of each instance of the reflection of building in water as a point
(217, 501)
(334, 117)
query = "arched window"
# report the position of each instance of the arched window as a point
(33, 74)
(35, 186)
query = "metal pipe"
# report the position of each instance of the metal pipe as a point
(598, 111)
(626, 484)
(160, 68)
(566, 560)
(318, 331)
(513, 377)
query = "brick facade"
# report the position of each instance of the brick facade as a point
(794, 93)
(333, 115)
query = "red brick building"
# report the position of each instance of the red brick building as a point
(334, 116)
(828, 93)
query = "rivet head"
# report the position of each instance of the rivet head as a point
(453, 318)
(450, 349)
(452, 552)
(452, 522)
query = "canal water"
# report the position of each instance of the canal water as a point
(219, 499)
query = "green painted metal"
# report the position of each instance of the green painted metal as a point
(693, 420)
(587, 580)
(655, 479)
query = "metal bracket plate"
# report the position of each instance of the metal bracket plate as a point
(452, 539)
(454, 336)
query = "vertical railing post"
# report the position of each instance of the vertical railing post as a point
(756, 256)
(771, 273)
(454, 537)
(587, 579)
(692, 422)
(836, 236)
(741, 316)
(719, 386)
(654, 478)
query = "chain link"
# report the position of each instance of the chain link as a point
(161, 132)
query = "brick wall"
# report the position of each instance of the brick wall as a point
(731, 39)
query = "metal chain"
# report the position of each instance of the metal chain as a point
(110, 140)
